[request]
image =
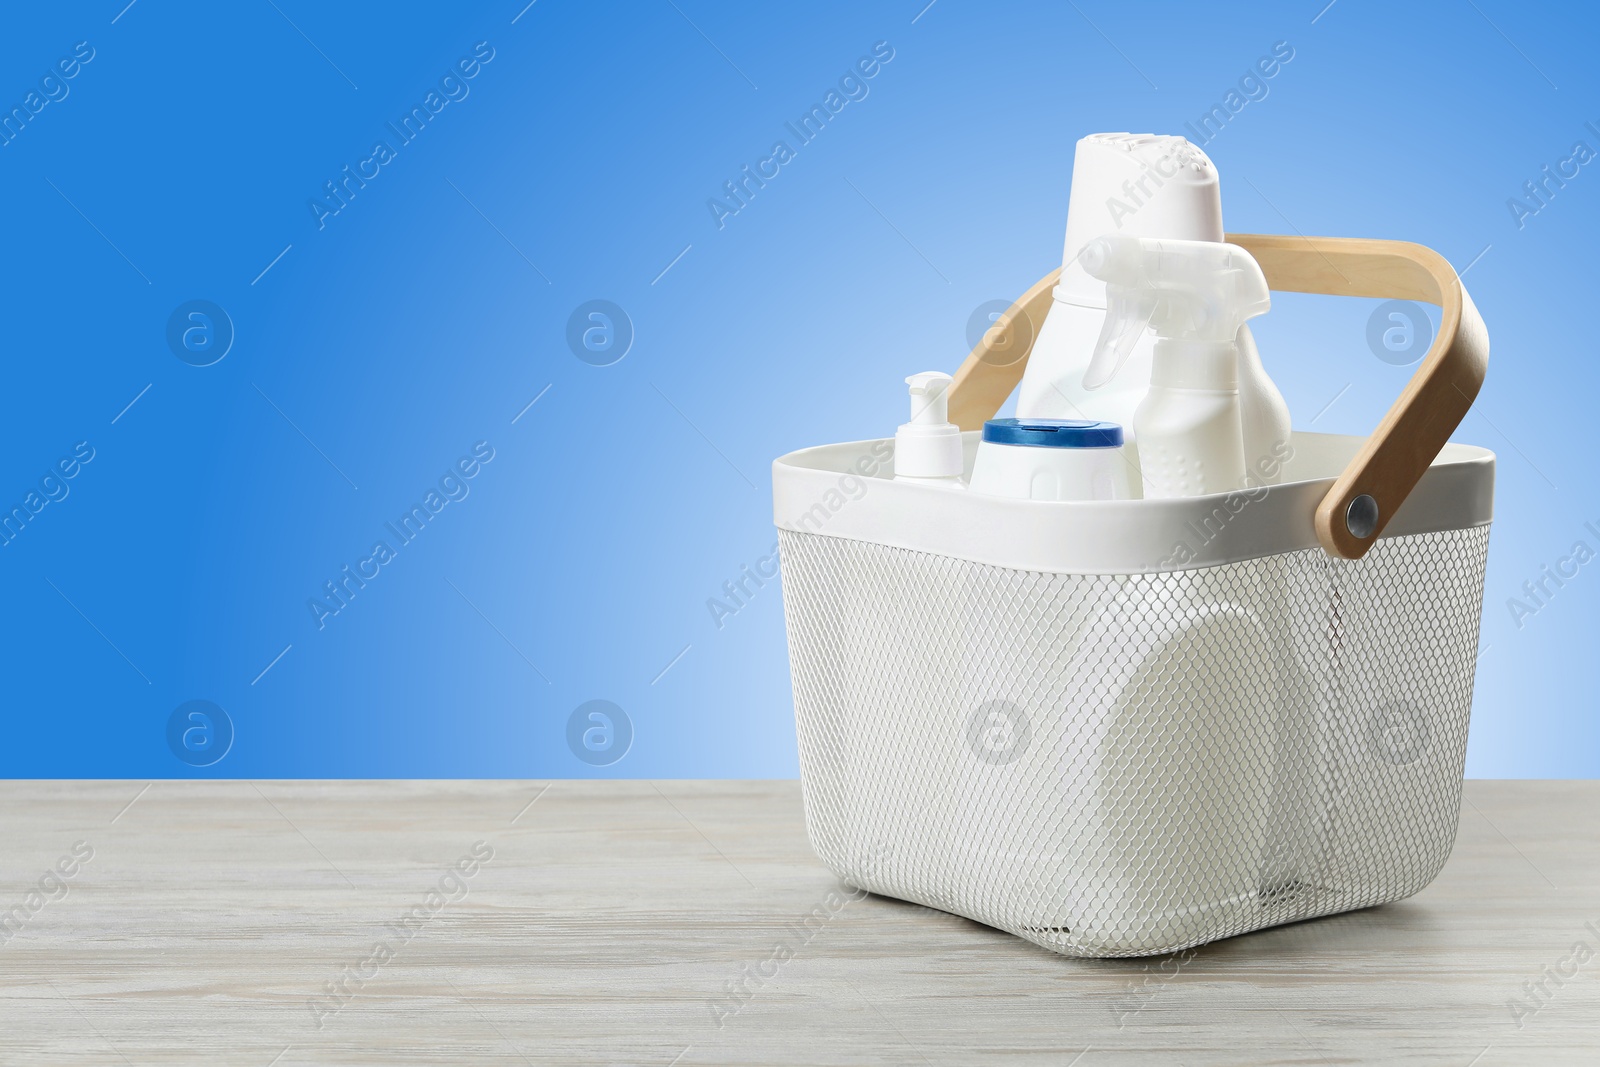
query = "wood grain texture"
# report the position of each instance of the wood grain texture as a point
(995, 365)
(1434, 401)
(613, 917)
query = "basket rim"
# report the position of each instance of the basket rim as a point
(848, 490)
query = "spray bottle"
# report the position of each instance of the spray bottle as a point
(1138, 185)
(1196, 297)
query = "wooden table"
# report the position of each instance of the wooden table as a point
(606, 922)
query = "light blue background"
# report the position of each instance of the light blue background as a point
(412, 326)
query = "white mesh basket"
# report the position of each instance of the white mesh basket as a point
(1129, 728)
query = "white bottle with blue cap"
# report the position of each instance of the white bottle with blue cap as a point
(1052, 459)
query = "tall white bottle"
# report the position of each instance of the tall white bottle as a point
(1137, 185)
(1195, 297)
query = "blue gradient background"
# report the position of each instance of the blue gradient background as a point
(409, 328)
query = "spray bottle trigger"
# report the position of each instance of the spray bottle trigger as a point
(1127, 318)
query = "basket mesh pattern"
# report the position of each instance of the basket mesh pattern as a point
(1120, 765)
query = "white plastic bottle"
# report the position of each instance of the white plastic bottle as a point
(1196, 297)
(1212, 793)
(1051, 459)
(1138, 185)
(928, 448)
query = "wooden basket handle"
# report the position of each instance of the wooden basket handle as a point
(1380, 477)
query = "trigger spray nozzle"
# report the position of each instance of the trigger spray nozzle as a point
(1183, 290)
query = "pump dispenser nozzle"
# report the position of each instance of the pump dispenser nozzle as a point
(930, 400)
(928, 448)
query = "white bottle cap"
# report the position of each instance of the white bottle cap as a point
(929, 446)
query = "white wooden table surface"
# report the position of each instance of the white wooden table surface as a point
(607, 922)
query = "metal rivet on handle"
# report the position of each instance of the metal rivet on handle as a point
(1361, 517)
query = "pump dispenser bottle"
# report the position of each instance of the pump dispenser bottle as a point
(928, 448)
(1195, 296)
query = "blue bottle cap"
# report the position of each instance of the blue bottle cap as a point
(1053, 433)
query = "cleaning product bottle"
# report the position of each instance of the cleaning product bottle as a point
(1211, 792)
(1137, 185)
(1052, 459)
(1195, 296)
(928, 448)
